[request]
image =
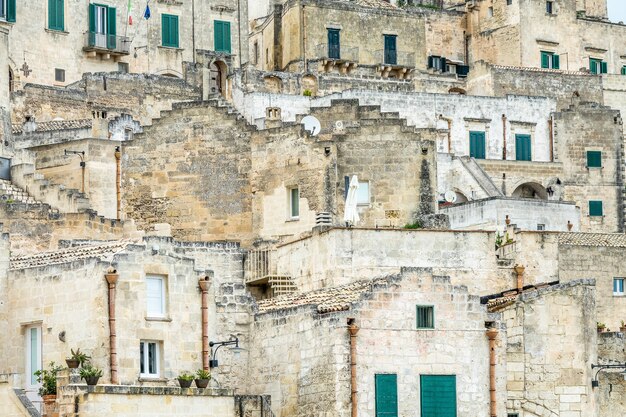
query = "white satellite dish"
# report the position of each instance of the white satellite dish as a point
(311, 125)
(450, 196)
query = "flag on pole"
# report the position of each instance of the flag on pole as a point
(146, 14)
(130, 18)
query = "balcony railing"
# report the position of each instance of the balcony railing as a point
(395, 58)
(259, 265)
(338, 52)
(112, 44)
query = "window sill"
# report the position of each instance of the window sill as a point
(151, 379)
(618, 294)
(425, 328)
(167, 319)
(171, 48)
(57, 31)
(293, 219)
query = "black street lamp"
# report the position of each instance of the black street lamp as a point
(594, 382)
(233, 341)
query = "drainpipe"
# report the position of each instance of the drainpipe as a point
(504, 137)
(353, 329)
(112, 277)
(118, 179)
(519, 270)
(449, 121)
(492, 334)
(551, 128)
(204, 288)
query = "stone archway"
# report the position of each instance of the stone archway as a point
(531, 190)
(217, 78)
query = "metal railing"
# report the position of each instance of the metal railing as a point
(260, 264)
(338, 52)
(390, 57)
(106, 42)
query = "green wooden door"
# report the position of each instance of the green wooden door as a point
(333, 44)
(522, 148)
(477, 145)
(438, 395)
(390, 53)
(386, 395)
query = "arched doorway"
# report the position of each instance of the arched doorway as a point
(531, 190)
(217, 84)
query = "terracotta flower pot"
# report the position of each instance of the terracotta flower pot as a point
(72, 363)
(202, 383)
(185, 383)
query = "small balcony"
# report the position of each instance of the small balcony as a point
(104, 44)
(394, 64)
(344, 58)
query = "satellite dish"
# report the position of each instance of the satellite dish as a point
(450, 196)
(311, 125)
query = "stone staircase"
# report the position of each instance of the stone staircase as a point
(480, 176)
(10, 193)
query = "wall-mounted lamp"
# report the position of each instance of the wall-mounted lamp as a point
(594, 382)
(233, 341)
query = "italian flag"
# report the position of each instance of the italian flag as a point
(130, 18)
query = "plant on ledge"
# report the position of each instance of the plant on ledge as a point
(48, 379)
(185, 379)
(202, 378)
(90, 374)
(77, 359)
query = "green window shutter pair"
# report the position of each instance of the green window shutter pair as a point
(111, 29)
(56, 15)
(169, 30)
(595, 208)
(550, 60)
(477, 145)
(594, 159)
(523, 150)
(386, 395)
(438, 395)
(10, 12)
(221, 32)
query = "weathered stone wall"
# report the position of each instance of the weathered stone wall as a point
(551, 344)
(301, 357)
(191, 170)
(611, 393)
(5, 122)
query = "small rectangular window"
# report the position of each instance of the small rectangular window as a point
(549, 7)
(294, 203)
(618, 286)
(490, 12)
(595, 209)
(155, 296)
(363, 193)
(509, 2)
(541, 227)
(255, 55)
(425, 317)
(512, 415)
(597, 66)
(59, 75)
(594, 159)
(123, 67)
(550, 60)
(149, 358)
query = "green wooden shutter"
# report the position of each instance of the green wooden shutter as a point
(221, 32)
(52, 14)
(545, 60)
(92, 18)
(594, 159)
(477, 145)
(438, 395)
(174, 32)
(386, 395)
(593, 66)
(523, 148)
(10, 10)
(556, 62)
(169, 30)
(624, 70)
(603, 67)
(111, 27)
(595, 208)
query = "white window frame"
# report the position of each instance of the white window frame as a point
(618, 293)
(163, 311)
(144, 359)
(290, 199)
(3, 10)
(369, 195)
(30, 381)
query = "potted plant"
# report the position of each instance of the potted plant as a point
(185, 379)
(622, 327)
(77, 359)
(601, 327)
(90, 374)
(48, 380)
(202, 378)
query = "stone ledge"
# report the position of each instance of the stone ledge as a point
(141, 390)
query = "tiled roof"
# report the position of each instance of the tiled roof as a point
(496, 303)
(325, 300)
(57, 125)
(616, 240)
(534, 69)
(104, 251)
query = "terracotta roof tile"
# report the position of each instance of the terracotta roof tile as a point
(548, 70)
(61, 256)
(57, 125)
(617, 240)
(325, 300)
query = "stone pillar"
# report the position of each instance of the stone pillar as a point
(204, 288)
(5, 98)
(112, 277)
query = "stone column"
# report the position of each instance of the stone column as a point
(112, 277)
(204, 288)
